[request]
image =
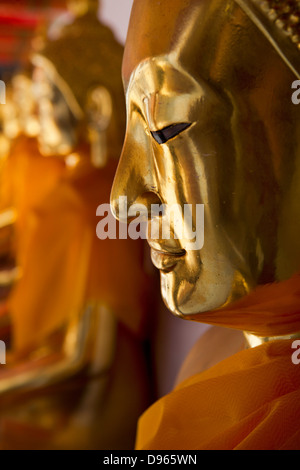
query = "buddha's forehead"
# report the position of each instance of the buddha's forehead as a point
(158, 28)
(213, 39)
(160, 75)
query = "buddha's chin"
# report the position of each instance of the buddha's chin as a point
(185, 298)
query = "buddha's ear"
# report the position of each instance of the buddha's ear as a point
(99, 108)
(99, 113)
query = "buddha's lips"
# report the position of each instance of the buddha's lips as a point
(165, 258)
(166, 248)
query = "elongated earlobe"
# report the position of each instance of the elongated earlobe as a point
(99, 112)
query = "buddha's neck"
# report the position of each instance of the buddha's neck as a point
(254, 340)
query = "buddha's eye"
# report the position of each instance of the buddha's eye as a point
(169, 132)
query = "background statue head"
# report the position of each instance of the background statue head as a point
(81, 7)
(211, 121)
(79, 88)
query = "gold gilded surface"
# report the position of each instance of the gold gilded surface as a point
(204, 69)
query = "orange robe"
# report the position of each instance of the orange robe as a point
(26, 179)
(250, 400)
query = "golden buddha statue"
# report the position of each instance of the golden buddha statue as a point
(211, 124)
(78, 321)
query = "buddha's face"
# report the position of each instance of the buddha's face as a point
(207, 126)
(57, 135)
(174, 156)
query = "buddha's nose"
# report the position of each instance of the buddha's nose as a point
(134, 182)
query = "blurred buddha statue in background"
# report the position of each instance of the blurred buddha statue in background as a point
(21, 187)
(9, 128)
(211, 122)
(19, 126)
(77, 372)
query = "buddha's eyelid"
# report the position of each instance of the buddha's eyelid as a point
(169, 132)
(147, 100)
